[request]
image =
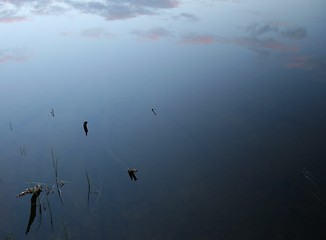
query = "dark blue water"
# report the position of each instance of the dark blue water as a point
(221, 161)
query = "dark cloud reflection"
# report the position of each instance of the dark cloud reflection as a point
(298, 33)
(110, 10)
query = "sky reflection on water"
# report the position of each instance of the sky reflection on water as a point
(239, 92)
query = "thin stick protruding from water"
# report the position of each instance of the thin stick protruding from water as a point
(55, 166)
(89, 187)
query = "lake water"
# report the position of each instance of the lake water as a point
(236, 149)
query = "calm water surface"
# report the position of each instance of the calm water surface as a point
(236, 150)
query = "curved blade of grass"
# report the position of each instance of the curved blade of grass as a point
(89, 187)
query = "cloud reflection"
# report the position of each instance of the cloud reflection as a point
(10, 16)
(12, 19)
(153, 34)
(307, 63)
(110, 10)
(265, 38)
(187, 16)
(264, 44)
(198, 39)
(258, 30)
(116, 9)
(298, 33)
(13, 55)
